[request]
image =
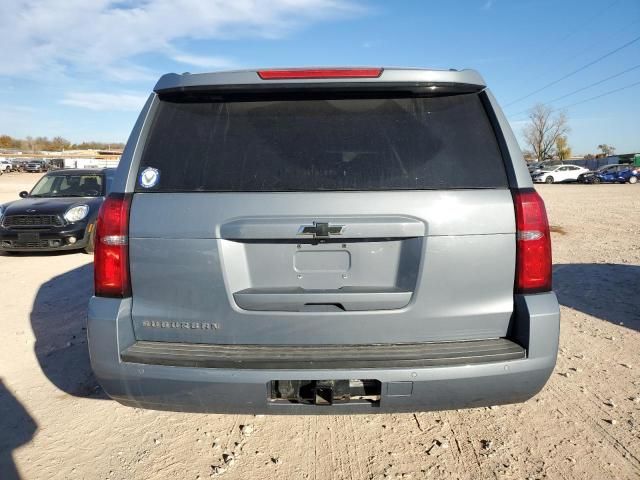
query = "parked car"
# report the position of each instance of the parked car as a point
(559, 174)
(36, 166)
(533, 166)
(58, 214)
(360, 257)
(539, 166)
(18, 165)
(630, 175)
(5, 166)
(618, 173)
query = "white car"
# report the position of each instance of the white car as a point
(559, 173)
(5, 166)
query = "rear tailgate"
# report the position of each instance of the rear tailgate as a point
(328, 220)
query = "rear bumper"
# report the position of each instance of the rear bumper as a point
(535, 326)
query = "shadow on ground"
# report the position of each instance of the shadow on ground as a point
(16, 428)
(59, 321)
(608, 291)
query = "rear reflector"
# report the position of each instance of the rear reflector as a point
(533, 243)
(111, 260)
(302, 73)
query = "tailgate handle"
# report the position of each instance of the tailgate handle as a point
(298, 299)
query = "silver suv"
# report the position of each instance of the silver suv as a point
(322, 241)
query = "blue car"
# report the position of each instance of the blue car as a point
(631, 175)
(619, 173)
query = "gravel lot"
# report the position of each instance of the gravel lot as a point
(55, 423)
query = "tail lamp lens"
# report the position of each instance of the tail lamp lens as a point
(111, 258)
(305, 73)
(533, 243)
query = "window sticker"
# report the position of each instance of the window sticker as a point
(149, 177)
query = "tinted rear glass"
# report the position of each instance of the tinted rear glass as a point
(324, 144)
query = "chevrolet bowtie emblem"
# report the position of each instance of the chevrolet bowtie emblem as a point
(320, 230)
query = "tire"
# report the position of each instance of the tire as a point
(633, 179)
(596, 180)
(90, 246)
(548, 180)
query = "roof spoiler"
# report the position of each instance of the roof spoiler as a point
(367, 78)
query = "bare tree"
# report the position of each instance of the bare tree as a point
(528, 156)
(59, 143)
(28, 143)
(607, 150)
(543, 130)
(6, 141)
(56, 143)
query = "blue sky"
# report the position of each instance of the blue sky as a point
(83, 69)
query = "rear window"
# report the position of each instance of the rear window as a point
(323, 144)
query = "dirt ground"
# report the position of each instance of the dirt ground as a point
(55, 422)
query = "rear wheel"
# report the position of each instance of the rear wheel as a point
(596, 180)
(633, 179)
(548, 180)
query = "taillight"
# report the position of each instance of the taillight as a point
(302, 73)
(111, 258)
(533, 243)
